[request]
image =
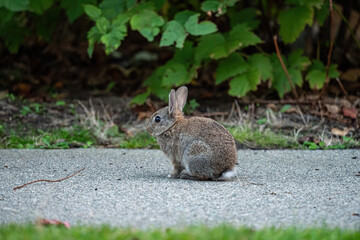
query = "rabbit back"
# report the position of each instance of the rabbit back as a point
(202, 148)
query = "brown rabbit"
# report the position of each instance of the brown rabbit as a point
(200, 148)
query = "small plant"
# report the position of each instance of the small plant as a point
(32, 108)
(140, 140)
(256, 138)
(346, 142)
(191, 106)
(62, 138)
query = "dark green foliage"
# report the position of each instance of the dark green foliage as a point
(201, 32)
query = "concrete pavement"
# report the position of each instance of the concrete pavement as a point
(130, 188)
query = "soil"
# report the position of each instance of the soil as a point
(313, 118)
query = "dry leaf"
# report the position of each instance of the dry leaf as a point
(143, 115)
(333, 109)
(272, 107)
(345, 103)
(292, 110)
(339, 132)
(351, 75)
(47, 222)
(350, 112)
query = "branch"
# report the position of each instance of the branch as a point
(331, 41)
(43, 180)
(285, 69)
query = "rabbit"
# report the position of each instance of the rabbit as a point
(199, 148)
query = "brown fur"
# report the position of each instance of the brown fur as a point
(200, 148)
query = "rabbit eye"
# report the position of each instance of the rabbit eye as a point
(157, 119)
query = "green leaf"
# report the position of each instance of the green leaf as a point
(141, 98)
(245, 16)
(295, 77)
(321, 14)
(280, 81)
(285, 108)
(309, 3)
(46, 23)
(316, 79)
(102, 24)
(175, 75)
(292, 22)
(297, 60)
(15, 5)
(229, 67)
(147, 22)
(214, 6)
(317, 65)
(39, 6)
(218, 46)
(241, 85)
(241, 36)
(174, 32)
(263, 64)
(211, 6)
(183, 16)
(185, 55)
(197, 29)
(92, 11)
(333, 72)
(112, 40)
(93, 36)
(74, 9)
(211, 46)
(111, 8)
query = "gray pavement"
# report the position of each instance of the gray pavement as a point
(130, 188)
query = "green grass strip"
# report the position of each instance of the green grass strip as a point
(224, 232)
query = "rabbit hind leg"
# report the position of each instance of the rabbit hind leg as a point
(197, 168)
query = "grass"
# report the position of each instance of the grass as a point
(224, 232)
(84, 137)
(35, 138)
(262, 139)
(74, 137)
(139, 140)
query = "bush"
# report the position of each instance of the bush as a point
(225, 33)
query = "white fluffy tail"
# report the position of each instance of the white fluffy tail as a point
(227, 175)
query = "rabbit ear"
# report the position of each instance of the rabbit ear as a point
(181, 96)
(173, 104)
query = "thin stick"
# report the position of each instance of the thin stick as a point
(285, 69)
(331, 41)
(43, 180)
(342, 87)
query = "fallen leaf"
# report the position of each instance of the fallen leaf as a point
(339, 132)
(291, 110)
(47, 222)
(350, 112)
(22, 88)
(143, 115)
(333, 109)
(272, 106)
(345, 103)
(351, 75)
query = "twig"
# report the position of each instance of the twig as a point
(285, 69)
(43, 180)
(331, 42)
(348, 27)
(342, 87)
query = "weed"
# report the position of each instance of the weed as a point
(261, 139)
(29, 231)
(140, 140)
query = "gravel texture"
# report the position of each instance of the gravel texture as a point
(130, 188)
